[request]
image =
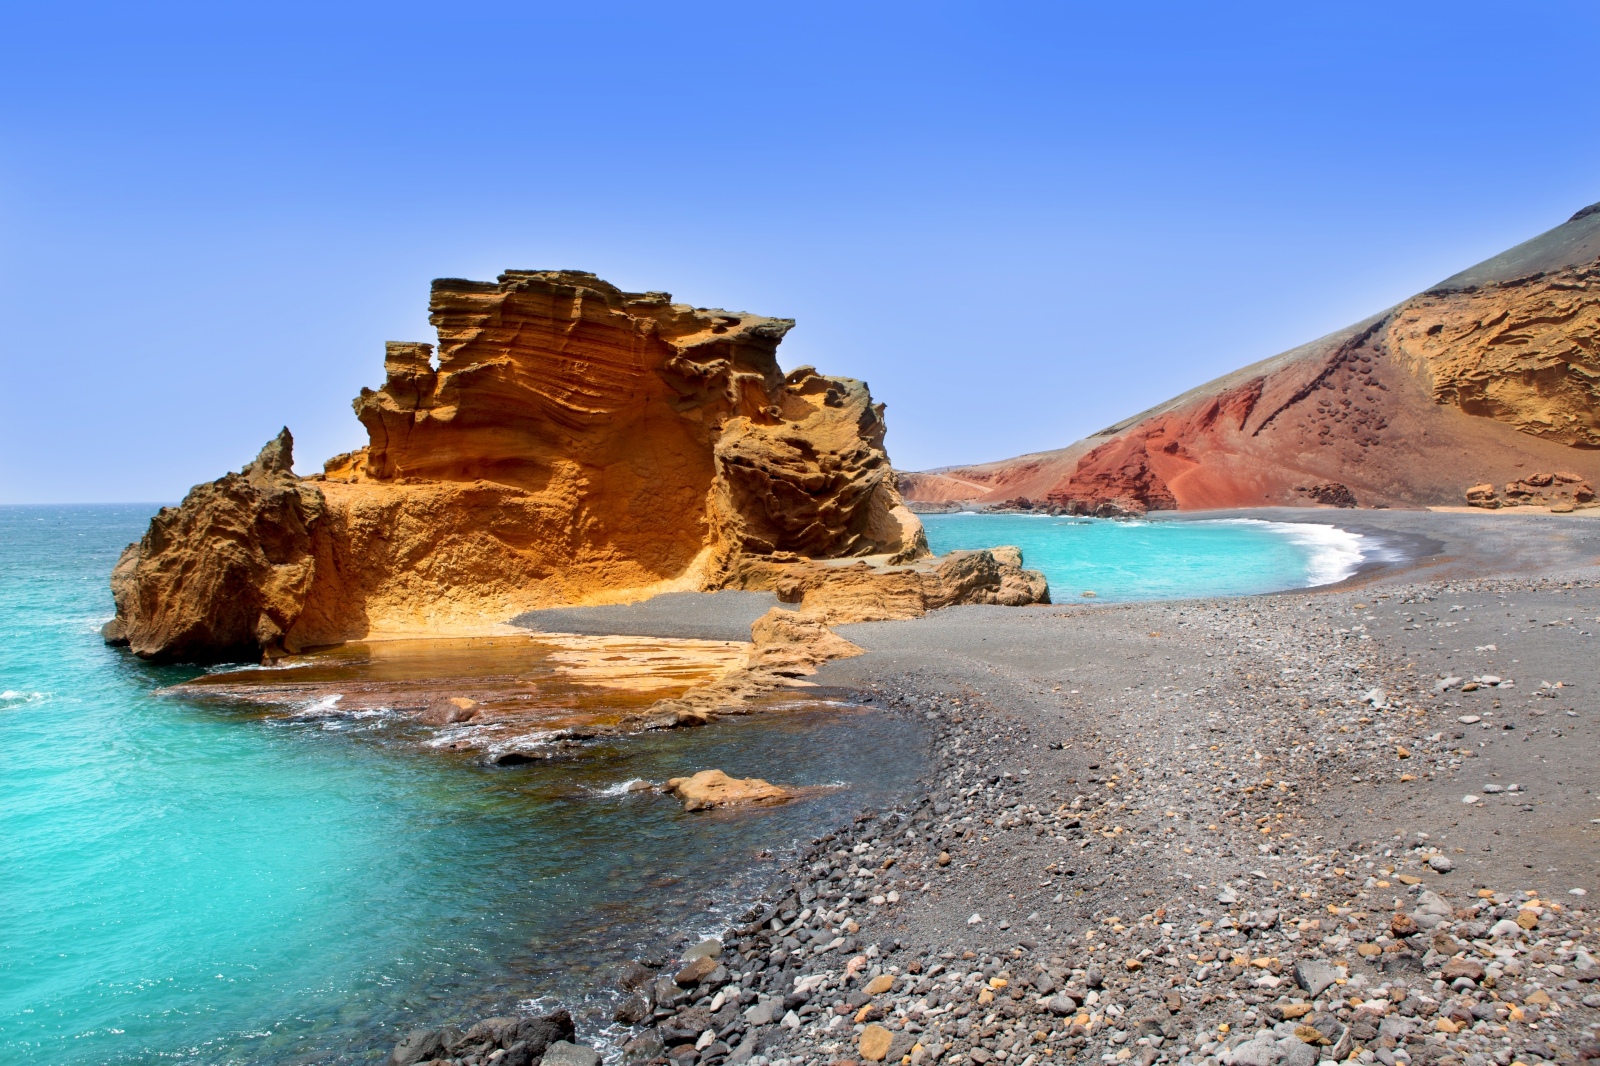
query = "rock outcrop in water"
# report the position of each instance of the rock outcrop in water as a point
(1488, 375)
(713, 788)
(227, 573)
(566, 443)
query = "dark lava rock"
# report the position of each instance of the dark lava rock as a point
(642, 1048)
(566, 1053)
(633, 1010)
(633, 975)
(516, 1055)
(420, 1045)
(696, 970)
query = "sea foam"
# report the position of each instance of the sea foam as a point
(1333, 553)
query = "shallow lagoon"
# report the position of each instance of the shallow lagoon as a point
(1165, 559)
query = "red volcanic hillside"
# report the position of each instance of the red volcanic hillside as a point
(1489, 381)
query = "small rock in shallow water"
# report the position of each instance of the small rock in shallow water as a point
(420, 1045)
(642, 1048)
(713, 788)
(633, 1010)
(448, 712)
(633, 974)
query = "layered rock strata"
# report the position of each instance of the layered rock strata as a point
(1488, 375)
(565, 442)
(228, 572)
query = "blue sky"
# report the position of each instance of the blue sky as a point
(1018, 223)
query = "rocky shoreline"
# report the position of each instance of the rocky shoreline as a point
(1242, 843)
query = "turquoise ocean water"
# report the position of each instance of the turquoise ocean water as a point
(206, 883)
(195, 881)
(1140, 560)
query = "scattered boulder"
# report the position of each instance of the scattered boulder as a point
(874, 1043)
(696, 970)
(1314, 977)
(711, 947)
(1331, 494)
(643, 1048)
(1455, 969)
(713, 788)
(566, 1053)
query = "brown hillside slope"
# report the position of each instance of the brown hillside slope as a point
(1491, 376)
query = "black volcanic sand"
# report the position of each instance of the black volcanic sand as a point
(1156, 801)
(722, 615)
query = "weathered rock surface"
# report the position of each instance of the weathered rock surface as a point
(569, 443)
(1525, 352)
(227, 573)
(861, 592)
(713, 788)
(1490, 373)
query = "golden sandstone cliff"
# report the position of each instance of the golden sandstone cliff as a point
(567, 442)
(1492, 377)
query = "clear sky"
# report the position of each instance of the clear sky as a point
(1017, 222)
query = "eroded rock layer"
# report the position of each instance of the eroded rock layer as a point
(1485, 378)
(565, 443)
(228, 572)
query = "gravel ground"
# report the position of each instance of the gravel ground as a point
(1267, 831)
(722, 615)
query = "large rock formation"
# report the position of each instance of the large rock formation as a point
(568, 442)
(225, 574)
(1488, 377)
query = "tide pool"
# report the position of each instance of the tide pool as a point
(198, 881)
(1166, 559)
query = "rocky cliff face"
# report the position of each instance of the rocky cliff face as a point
(227, 573)
(1489, 376)
(1525, 352)
(566, 442)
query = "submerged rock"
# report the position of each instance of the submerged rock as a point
(448, 711)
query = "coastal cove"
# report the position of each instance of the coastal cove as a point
(1169, 558)
(218, 881)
